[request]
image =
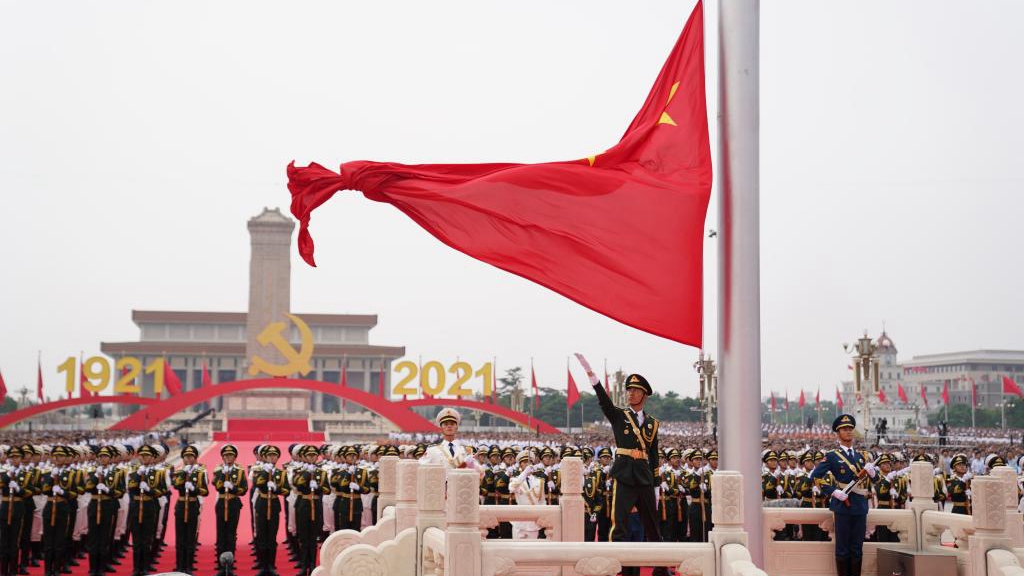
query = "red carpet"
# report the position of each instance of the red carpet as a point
(252, 430)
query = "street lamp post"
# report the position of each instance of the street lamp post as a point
(865, 369)
(706, 368)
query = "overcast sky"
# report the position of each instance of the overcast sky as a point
(136, 139)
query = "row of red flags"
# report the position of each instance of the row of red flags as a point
(1009, 387)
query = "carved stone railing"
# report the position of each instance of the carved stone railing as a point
(1003, 563)
(1014, 519)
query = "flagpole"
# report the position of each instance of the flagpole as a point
(568, 423)
(1002, 407)
(533, 400)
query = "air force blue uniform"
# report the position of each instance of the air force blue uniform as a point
(850, 521)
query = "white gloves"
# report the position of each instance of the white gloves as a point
(608, 484)
(890, 476)
(143, 486)
(551, 484)
(57, 490)
(778, 488)
(190, 487)
(968, 476)
(840, 495)
(664, 487)
(102, 488)
(271, 486)
(354, 487)
(815, 490)
(607, 468)
(313, 485)
(703, 487)
(14, 487)
(593, 517)
(870, 469)
(229, 485)
(968, 492)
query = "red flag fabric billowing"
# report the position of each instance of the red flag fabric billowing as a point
(620, 232)
(802, 401)
(39, 382)
(1011, 387)
(924, 397)
(901, 392)
(817, 399)
(82, 381)
(572, 394)
(3, 389)
(839, 398)
(773, 400)
(882, 397)
(974, 393)
(945, 392)
(171, 380)
(206, 380)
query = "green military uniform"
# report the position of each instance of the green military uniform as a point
(672, 501)
(696, 489)
(311, 483)
(349, 482)
(231, 485)
(106, 485)
(190, 483)
(269, 484)
(59, 484)
(12, 511)
(145, 484)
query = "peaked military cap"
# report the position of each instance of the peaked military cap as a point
(769, 455)
(508, 451)
(605, 451)
(807, 456)
(190, 451)
(229, 450)
(147, 450)
(448, 415)
(713, 455)
(14, 451)
(268, 450)
(884, 459)
(638, 381)
(697, 453)
(843, 421)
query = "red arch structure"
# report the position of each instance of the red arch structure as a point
(496, 410)
(37, 409)
(155, 411)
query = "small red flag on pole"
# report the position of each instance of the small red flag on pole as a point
(171, 380)
(536, 389)
(206, 380)
(344, 379)
(39, 380)
(1011, 387)
(802, 401)
(974, 394)
(772, 394)
(572, 394)
(924, 397)
(839, 398)
(817, 399)
(881, 396)
(945, 392)
(901, 392)
(3, 389)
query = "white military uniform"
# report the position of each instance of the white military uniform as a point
(528, 490)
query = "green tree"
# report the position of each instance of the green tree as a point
(9, 405)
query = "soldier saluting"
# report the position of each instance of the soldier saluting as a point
(636, 459)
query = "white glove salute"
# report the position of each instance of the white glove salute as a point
(271, 486)
(143, 486)
(354, 487)
(190, 487)
(313, 485)
(840, 495)
(870, 469)
(229, 485)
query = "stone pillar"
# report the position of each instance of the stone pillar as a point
(406, 472)
(430, 492)
(270, 236)
(570, 503)
(462, 549)
(386, 482)
(727, 511)
(1014, 519)
(988, 511)
(922, 489)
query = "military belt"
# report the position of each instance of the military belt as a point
(227, 496)
(348, 495)
(634, 453)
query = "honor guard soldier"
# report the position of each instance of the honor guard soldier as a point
(350, 482)
(312, 484)
(106, 485)
(636, 459)
(850, 509)
(230, 484)
(808, 492)
(673, 498)
(771, 485)
(885, 497)
(269, 484)
(958, 484)
(450, 451)
(58, 485)
(601, 472)
(191, 485)
(697, 488)
(145, 484)
(593, 505)
(502, 493)
(12, 510)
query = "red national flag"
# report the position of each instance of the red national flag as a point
(974, 393)
(924, 397)
(572, 394)
(551, 223)
(787, 401)
(171, 380)
(536, 389)
(882, 397)
(772, 394)
(381, 377)
(82, 381)
(817, 399)
(802, 401)
(3, 389)
(205, 380)
(124, 374)
(901, 392)
(1011, 387)
(607, 380)
(839, 398)
(39, 382)
(344, 380)
(945, 392)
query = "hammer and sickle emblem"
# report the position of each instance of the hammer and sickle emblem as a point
(298, 360)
